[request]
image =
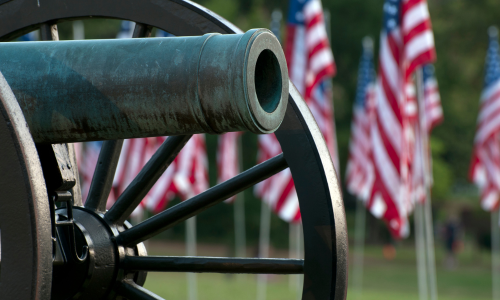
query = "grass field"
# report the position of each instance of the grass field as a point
(387, 280)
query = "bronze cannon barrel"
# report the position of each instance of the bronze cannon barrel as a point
(73, 91)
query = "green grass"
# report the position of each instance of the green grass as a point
(387, 280)
(217, 286)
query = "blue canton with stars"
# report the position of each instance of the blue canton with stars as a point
(366, 75)
(392, 15)
(492, 62)
(296, 12)
(428, 72)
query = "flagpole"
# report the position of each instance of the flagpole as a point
(429, 233)
(299, 246)
(359, 248)
(239, 212)
(239, 225)
(495, 255)
(426, 209)
(265, 228)
(292, 250)
(78, 30)
(419, 215)
(420, 248)
(295, 251)
(191, 251)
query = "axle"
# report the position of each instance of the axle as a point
(74, 91)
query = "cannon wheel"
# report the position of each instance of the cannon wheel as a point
(25, 224)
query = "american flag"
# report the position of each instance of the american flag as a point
(432, 100)
(227, 157)
(406, 42)
(485, 166)
(191, 168)
(359, 173)
(308, 54)
(310, 67)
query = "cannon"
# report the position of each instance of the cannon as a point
(57, 92)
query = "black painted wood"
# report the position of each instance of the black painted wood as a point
(147, 177)
(199, 264)
(104, 172)
(130, 290)
(195, 205)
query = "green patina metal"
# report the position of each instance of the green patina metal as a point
(72, 91)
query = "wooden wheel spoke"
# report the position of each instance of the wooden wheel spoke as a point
(133, 291)
(200, 264)
(104, 173)
(203, 201)
(142, 30)
(48, 32)
(146, 178)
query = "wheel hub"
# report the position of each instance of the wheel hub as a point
(93, 276)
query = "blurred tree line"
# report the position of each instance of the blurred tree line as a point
(460, 28)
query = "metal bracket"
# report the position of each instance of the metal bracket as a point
(59, 256)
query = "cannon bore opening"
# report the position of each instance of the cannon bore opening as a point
(268, 81)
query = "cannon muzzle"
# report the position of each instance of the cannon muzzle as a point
(74, 91)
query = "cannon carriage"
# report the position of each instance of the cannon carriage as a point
(59, 92)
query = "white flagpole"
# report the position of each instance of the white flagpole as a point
(295, 247)
(431, 260)
(191, 251)
(78, 30)
(292, 250)
(239, 225)
(299, 246)
(423, 289)
(239, 212)
(420, 249)
(265, 228)
(495, 255)
(359, 248)
(426, 209)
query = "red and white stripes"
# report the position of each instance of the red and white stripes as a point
(485, 167)
(359, 171)
(406, 42)
(433, 108)
(277, 191)
(227, 157)
(418, 39)
(308, 52)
